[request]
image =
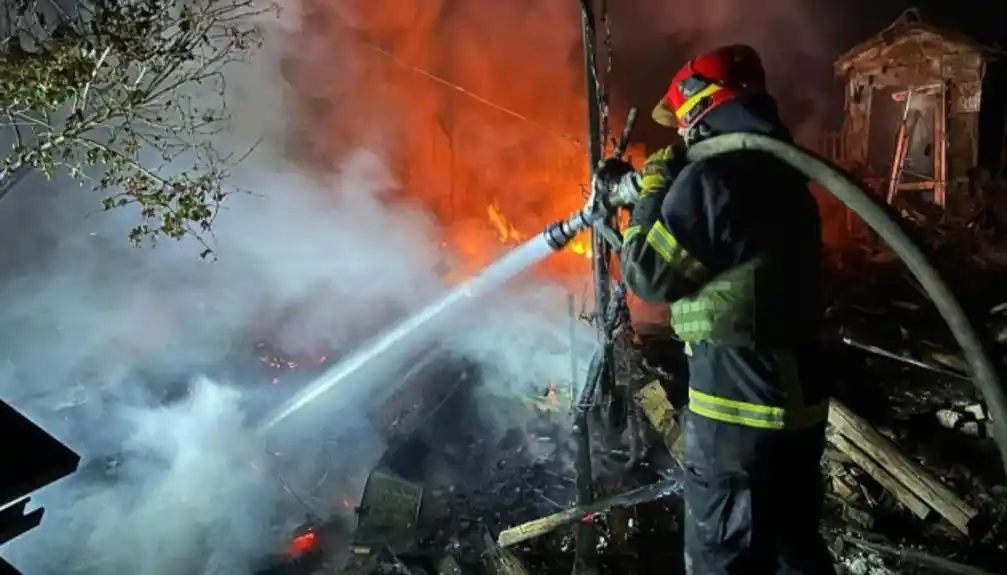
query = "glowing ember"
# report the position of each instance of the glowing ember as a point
(303, 544)
(550, 400)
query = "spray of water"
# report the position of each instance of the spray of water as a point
(422, 325)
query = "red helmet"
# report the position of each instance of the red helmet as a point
(708, 81)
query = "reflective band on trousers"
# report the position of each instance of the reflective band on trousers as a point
(755, 415)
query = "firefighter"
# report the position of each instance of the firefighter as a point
(733, 244)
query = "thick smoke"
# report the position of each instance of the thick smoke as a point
(107, 346)
(143, 360)
(484, 102)
(481, 104)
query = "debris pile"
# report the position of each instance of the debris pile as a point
(914, 480)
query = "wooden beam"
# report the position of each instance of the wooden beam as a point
(907, 471)
(662, 416)
(902, 493)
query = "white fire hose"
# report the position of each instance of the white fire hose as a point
(977, 347)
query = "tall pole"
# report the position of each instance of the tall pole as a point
(600, 249)
(585, 560)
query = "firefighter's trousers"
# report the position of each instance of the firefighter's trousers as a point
(753, 500)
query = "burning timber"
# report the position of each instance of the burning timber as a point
(903, 490)
(913, 478)
(912, 475)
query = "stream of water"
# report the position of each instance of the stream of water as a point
(423, 323)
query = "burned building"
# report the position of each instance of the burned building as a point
(912, 99)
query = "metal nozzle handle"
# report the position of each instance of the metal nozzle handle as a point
(611, 236)
(627, 131)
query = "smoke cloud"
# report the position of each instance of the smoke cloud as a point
(481, 105)
(395, 135)
(484, 102)
(145, 360)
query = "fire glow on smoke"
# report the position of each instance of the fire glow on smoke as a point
(483, 103)
(482, 142)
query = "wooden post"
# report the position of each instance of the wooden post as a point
(940, 149)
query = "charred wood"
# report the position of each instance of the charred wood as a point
(903, 469)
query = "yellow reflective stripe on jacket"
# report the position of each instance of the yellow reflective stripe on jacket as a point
(654, 176)
(650, 183)
(665, 244)
(630, 233)
(755, 415)
(722, 311)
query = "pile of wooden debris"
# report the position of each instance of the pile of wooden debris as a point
(915, 483)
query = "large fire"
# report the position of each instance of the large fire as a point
(478, 104)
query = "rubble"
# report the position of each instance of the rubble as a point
(911, 557)
(913, 485)
(543, 525)
(879, 473)
(910, 469)
(913, 478)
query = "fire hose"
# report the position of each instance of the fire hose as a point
(976, 346)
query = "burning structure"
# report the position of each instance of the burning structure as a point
(912, 99)
(491, 160)
(859, 481)
(466, 484)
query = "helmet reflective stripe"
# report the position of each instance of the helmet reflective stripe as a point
(709, 81)
(684, 111)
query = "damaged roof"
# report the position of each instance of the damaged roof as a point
(910, 37)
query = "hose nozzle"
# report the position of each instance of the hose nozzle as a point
(561, 233)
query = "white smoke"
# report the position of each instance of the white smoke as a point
(106, 345)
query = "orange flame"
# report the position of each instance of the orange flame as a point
(510, 235)
(478, 125)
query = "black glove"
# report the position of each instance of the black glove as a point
(661, 169)
(612, 170)
(659, 172)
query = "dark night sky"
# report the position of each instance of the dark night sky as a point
(982, 19)
(804, 84)
(985, 20)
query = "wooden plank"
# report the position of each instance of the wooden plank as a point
(904, 469)
(662, 416)
(906, 497)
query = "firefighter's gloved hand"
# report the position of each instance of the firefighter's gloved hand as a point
(617, 184)
(661, 169)
(625, 192)
(613, 169)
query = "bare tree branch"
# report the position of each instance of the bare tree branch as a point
(128, 96)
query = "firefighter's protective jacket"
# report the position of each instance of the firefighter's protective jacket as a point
(734, 245)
